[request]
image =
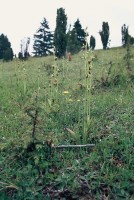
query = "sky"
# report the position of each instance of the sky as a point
(20, 19)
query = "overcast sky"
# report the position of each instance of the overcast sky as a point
(21, 18)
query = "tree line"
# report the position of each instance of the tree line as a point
(73, 39)
(61, 39)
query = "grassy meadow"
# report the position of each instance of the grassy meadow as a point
(46, 102)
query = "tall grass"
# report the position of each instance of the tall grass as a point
(88, 57)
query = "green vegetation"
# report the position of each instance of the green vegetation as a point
(46, 102)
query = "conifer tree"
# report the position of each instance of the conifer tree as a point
(80, 32)
(8, 54)
(43, 40)
(5, 48)
(60, 37)
(104, 33)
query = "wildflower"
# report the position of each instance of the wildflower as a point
(65, 92)
(78, 100)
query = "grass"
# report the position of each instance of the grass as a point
(29, 171)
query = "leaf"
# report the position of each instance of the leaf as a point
(70, 131)
(49, 102)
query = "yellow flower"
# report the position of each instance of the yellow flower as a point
(78, 100)
(65, 92)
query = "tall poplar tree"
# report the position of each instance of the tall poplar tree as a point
(104, 33)
(60, 37)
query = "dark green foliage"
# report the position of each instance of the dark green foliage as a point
(8, 55)
(80, 32)
(76, 38)
(92, 42)
(131, 40)
(6, 51)
(73, 45)
(104, 33)
(43, 40)
(60, 37)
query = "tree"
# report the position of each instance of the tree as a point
(104, 33)
(73, 45)
(20, 56)
(131, 40)
(60, 37)
(125, 35)
(92, 42)
(8, 54)
(43, 40)
(5, 48)
(80, 32)
(24, 52)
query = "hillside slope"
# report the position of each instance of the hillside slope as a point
(45, 102)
